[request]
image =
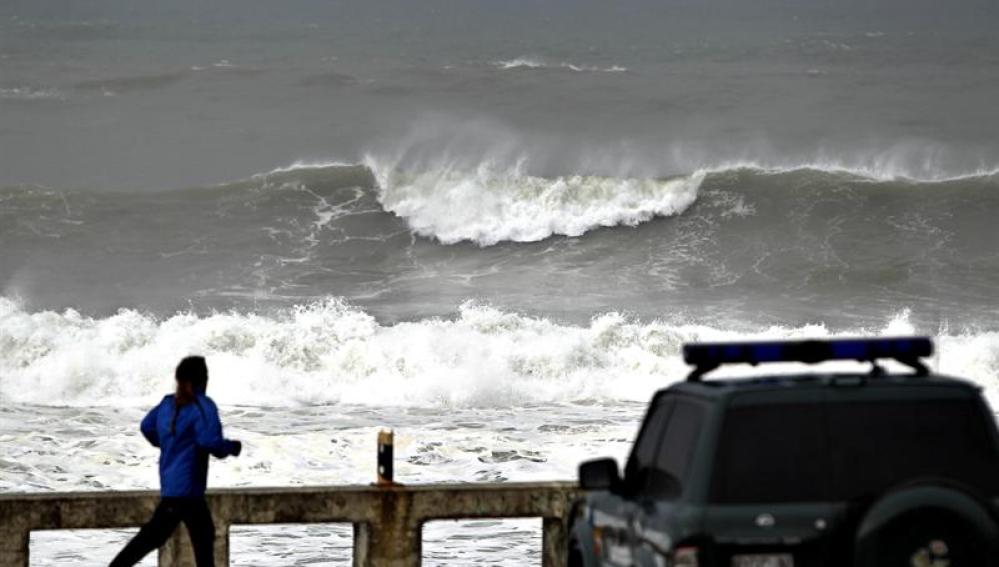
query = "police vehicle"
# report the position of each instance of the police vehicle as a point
(865, 469)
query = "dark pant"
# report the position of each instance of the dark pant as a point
(170, 512)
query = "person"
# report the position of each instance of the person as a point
(186, 428)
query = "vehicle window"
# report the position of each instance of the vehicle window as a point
(644, 453)
(876, 445)
(771, 453)
(682, 432)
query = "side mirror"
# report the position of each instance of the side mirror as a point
(599, 474)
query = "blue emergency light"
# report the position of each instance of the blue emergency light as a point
(708, 356)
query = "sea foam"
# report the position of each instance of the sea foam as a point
(329, 352)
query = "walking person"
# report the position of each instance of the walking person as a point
(186, 428)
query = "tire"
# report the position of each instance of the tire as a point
(924, 538)
(927, 526)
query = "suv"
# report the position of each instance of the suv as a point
(863, 469)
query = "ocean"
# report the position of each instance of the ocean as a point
(490, 225)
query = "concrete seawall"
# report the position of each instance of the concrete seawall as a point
(387, 520)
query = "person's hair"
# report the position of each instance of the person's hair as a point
(191, 370)
(194, 370)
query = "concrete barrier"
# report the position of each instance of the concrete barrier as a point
(387, 520)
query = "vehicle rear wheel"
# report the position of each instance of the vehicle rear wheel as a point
(927, 524)
(923, 538)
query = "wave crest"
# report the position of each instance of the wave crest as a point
(493, 204)
(527, 63)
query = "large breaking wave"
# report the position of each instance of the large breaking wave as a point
(491, 204)
(329, 352)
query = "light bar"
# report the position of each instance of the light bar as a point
(708, 356)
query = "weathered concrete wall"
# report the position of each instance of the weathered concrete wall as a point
(387, 520)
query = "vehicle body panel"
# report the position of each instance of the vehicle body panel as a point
(648, 519)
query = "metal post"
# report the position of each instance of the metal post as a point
(385, 456)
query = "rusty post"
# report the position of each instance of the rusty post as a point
(385, 456)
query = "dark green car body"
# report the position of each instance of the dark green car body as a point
(806, 470)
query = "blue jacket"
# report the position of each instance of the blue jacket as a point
(186, 443)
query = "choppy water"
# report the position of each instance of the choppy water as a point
(489, 225)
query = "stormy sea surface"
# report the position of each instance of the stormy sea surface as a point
(488, 225)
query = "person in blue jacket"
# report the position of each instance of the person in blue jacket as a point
(186, 428)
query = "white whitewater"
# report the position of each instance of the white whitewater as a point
(331, 353)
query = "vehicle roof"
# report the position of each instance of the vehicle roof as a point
(722, 389)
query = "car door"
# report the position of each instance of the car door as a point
(612, 515)
(661, 518)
